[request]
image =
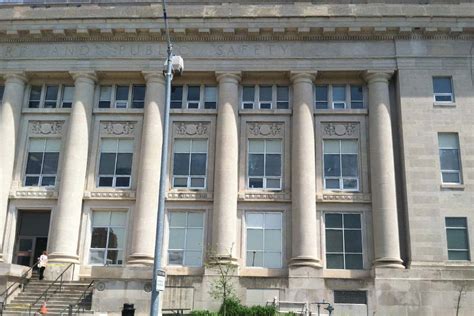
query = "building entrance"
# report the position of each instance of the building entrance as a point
(32, 236)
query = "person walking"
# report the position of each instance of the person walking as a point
(42, 262)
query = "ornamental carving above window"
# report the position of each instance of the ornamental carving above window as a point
(46, 127)
(348, 129)
(266, 129)
(191, 129)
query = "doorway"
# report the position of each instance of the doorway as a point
(32, 236)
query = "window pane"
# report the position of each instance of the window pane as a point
(96, 256)
(254, 239)
(48, 181)
(37, 145)
(332, 184)
(339, 93)
(255, 220)
(35, 96)
(272, 260)
(99, 237)
(33, 166)
(273, 183)
(181, 164)
(273, 166)
(52, 145)
(256, 164)
(442, 85)
(105, 181)
(273, 221)
(121, 93)
(456, 222)
(101, 219)
(349, 166)
(178, 219)
(175, 257)
(458, 255)
(449, 159)
(180, 182)
(195, 219)
(354, 261)
(176, 97)
(118, 219)
(273, 146)
(116, 237)
(353, 241)
(451, 177)
(193, 93)
(122, 182)
(50, 164)
(255, 183)
(248, 94)
(256, 146)
(254, 259)
(182, 145)
(272, 240)
(282, 93)
(332, 147)
(349, 184)
(356, 97)
(334, 242)
(176, 238)
(105, 93)
(352, 221)
(333, 220)
(108, 145)
(31, 181)
(332, 165)
(457, 239)
(124, 164)
(198, 182)
(138, 93)
(193, 258)
(114, 257)
(198, 164)
(199, 146)
(349, 147)
(448, 140)
(107, 164)
(68, 95)
(335, 261)
(321, 93)
(194, 239)
(210, 94)
(52, 94)
(125, 146)
(265, 93)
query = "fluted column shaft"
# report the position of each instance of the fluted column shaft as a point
(10, 112)
(303, 174)
(382, 168)
(226, 167)
(66, 218)
(145, 212)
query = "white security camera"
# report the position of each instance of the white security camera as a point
(177, 65)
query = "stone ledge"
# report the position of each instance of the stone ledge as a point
(344, 197)
(115, 194)
(265, 196)
(189, 196)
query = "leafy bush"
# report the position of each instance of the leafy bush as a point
(203, 313)
(233, 307)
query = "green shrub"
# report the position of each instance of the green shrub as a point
(233, 307)
(203, 313)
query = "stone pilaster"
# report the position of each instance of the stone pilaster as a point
(10, 112)
(226, 166)
(66, 217)
(303, 174)
(382, 173)
(145, 212)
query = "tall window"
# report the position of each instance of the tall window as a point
(449, 158)
(458, 240)
(339, 97)
(194, 97)
(190, 163)
(265, 164)
(443, 89)
(108, 238)
(210, 97)
(265, 97)
(343, 241)
(186, 237)
(264, 239)
(115, 166)
(51, 96)
(122, 96)
(341, 167)
(42, 164)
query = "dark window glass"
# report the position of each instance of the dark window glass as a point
(193, 93)
(124, 164)
(349, 165)
(99, 237)
(33, 166)
(31, 181)
(334, 220)
(35, 97)
(248, 94)
(138, 96)
(332, 165)
(51, 98)
(321, 97)
(176, 97)
(48, 181)
(2, 90)
(265, 93)
(351, 221)
(198, 164)
(442, 85)
(121, 93)
(350, 297)
(256, 165)
(273, 165)
(181, 164)
(107, 163)
(122, 182)
(457, 238)
(283, 97)
(50, 164)
(106, 181)
(357, 98)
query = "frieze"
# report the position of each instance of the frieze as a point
(118, 128)
(189, 129)
(344, 197)
(109, 195)
(190, 196)
(260, 129)
(343, 129)
(266, 196)
(35, 194)
(46, 128)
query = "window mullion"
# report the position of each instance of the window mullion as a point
(343, 242)
(185, 239)
(341, 181)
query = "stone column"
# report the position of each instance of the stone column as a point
(224, 217)
(303, 174)
(10, 113)
(145, 212)
(66, 217)
(382, 173)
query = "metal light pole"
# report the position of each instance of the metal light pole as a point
(155, 308)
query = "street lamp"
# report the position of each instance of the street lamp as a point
(174, 64)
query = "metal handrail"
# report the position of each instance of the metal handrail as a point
(45, 292)
(78, 302)
(7, 294)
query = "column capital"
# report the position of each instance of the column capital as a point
(15, 76)
(382, 75)
(228, 76)
(153, 76)
(85, 76)
(303, 76)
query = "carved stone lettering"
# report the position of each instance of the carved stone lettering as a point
(266, 129)
(347, 129)
(191, 129)
(46, 127)
(118, 128)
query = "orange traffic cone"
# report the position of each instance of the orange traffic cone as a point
(43, 309)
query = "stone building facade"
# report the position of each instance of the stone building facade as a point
(325, 148)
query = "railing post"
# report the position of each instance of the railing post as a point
(70, 310)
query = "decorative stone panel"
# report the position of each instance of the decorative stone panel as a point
(191, 129)
(34, 194)
(344, 197)
(189, 196)
(340, 130)
(117, 128)
(45, 128)
(266, 129)
(109, 195)
(265, 196)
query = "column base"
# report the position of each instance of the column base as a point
(387, 262)
(222, 259)
(62, 258)
(305, 261)
(140, 259)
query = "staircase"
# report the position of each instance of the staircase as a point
(57, 302)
